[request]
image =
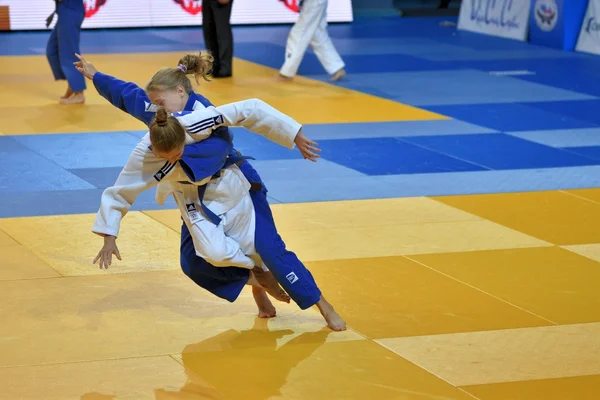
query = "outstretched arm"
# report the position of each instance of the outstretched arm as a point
(254, 115)
(143, 171)
(126, 96)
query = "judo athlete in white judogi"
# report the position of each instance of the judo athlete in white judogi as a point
(311, 28)
(171, 88)
(214, 202)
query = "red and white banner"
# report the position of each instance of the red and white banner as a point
(31, 14)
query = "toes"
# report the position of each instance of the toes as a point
(284, 295)
(267, 314)
(337, 327)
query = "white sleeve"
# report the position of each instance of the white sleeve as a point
(254, 115)
(142, 172)
(215, 247)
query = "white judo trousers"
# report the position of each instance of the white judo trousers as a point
(311, 28)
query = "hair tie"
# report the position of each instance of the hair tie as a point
(182, 68)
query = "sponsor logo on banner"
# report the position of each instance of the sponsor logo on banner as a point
(92, 7)
(192, 7)
(504, 18)
(589, 36)
(546, 14)
(32, 14)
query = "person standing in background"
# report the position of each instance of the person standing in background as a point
(311, 28)
(62, 46)
(218, 36)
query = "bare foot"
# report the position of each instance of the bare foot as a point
(68, 93)
(270, 284)
(266, 309)
(339, 74)
(76, 98)
(334, 321)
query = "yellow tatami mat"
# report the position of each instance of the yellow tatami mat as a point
(67, 244)
(445, 298)
(30, 99)
(505, 356)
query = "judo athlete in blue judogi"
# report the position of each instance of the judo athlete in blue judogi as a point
(211, 192)
(62, 46)
(217, 255)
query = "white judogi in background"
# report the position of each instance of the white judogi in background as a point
(232, 241)
(311, 28)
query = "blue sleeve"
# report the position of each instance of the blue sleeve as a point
(126, 96)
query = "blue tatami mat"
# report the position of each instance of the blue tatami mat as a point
(520, 117)
(91, 150)
(387, 156)
(26, 171)
(562, 137)
(367, 130)
(500, 151)
(436, 88)
(511, 117)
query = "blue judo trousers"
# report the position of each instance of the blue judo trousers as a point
(64, 43)
(224, 282)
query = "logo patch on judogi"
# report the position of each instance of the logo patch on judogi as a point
(164, 171)
(207, 123)
(292, 277)
(192, 212)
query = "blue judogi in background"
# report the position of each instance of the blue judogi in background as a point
(64, 43)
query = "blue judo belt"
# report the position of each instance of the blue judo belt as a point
(214, 218)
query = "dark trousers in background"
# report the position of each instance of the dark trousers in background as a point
(218, 36)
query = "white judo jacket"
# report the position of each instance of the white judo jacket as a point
(223, 194)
